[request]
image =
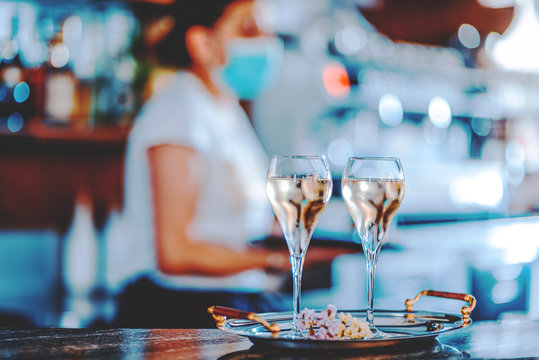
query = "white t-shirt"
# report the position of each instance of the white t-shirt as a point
(231, 207)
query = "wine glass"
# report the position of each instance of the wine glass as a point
(372, 189)
(298, 188)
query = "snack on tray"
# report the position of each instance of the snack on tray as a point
(328, 324)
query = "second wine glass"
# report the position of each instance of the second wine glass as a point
(298, 189)
(372, 189)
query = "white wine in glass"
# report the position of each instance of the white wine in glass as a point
(298, 189)
(372, 189)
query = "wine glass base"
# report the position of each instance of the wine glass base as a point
(295, 335)
(378, 334)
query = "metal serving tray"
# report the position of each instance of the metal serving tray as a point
(400, 326)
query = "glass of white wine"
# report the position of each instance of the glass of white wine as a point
(372, 189)
(298, 189)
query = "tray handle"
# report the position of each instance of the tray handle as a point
(465, 310)
(220, 314)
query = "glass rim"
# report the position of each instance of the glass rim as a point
(310, 157)
(383, 158)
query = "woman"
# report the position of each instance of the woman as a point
(195, 175)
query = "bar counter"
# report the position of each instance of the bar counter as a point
(514, 338)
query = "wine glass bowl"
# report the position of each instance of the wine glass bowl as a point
(372, 189)
(298, 188)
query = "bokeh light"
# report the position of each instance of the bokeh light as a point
(350, 40)
(59, 56)
(516, 50)
(15, 122)
(508, 272)
(440, 112)
(12, 75)
(505, 291)
(527, 248)
(515, 159)
(515, 154)
(336, 80)
(481, 126)
(60, 101)
(484, 189)
(72, 30)
(339, 150)
(10, 50)
(469, 36)
(390, 109)
(118, 27)
(21, 92)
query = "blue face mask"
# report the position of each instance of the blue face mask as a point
(253, 65)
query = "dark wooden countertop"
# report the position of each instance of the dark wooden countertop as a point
(492, 340)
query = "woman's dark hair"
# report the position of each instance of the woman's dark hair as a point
(171, 50)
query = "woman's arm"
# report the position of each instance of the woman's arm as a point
(176, 175)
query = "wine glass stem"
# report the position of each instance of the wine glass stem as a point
(297, 269)
(370, 258)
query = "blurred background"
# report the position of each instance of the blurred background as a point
(450, 87)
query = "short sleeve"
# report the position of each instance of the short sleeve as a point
(176, 118)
